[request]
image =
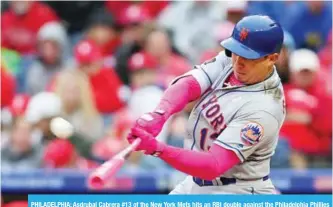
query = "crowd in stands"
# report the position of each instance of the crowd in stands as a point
(101, 65)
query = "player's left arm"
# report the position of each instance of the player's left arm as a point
(230, 149)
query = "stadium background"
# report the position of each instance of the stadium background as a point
(102, 64)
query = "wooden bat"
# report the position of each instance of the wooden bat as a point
(99, 177)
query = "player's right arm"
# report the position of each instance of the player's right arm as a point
(184, 89)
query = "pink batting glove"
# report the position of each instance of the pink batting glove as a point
(148, 142)
(152, 122)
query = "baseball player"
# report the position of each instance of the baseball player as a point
(233, 129)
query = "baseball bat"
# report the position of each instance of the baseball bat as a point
(99, 177)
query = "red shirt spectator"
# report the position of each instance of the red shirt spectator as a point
(106, 88)
(60, 153)
(16, 204)
(325, 57)
(221, 32)
(309, 128)
(207, 55)
(105, 84)
(21, 23)
(8, 87)
(170, 64)
(173, 66)
(308, 124)
(153, 8)
(115, 141)
(19, 104)
(102, 30)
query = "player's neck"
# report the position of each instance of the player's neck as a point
(260, 77)
(266, 75)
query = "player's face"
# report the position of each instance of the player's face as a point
(253, 71)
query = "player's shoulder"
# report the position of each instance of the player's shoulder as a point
(266, 105)
(224, 59)
(220, 60)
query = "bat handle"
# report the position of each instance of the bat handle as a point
(111, 167)
(127, 151)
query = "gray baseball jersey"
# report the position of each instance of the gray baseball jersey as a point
(244, 119)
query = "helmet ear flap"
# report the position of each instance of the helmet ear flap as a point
(227, 53)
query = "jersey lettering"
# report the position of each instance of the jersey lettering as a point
(212, 100)
(212, 111)
(218, 121)
(214, 116)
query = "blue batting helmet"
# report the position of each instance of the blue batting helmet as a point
(254, 37)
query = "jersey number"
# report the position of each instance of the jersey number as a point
(203, 137)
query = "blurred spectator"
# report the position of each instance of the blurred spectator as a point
(6, 126)
(115, 139)
(221, 32)
(236, 10)
(21, 152)
(41, 108)
(52, 57)
(308, 126)
(135, 21)
(19, 104)
(106, 87)
(144, 72)
(78, 105)
(282, 65)
(75, 14)
(4, 6)
(103, 31)
(177, 131)
(325, 57)
(170, 65)
(16, 204)
(153, 8)
(191, 24)
(310, 23)
(11, 61)
(21, 22)
(59, 153)
(8, 88)
(143, 68)
(272, 9)
(145, 97)
(9, 114)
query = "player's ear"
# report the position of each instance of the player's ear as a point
(274, 57)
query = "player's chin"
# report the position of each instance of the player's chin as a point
(240, 76)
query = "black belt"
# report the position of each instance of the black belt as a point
(224, 181)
